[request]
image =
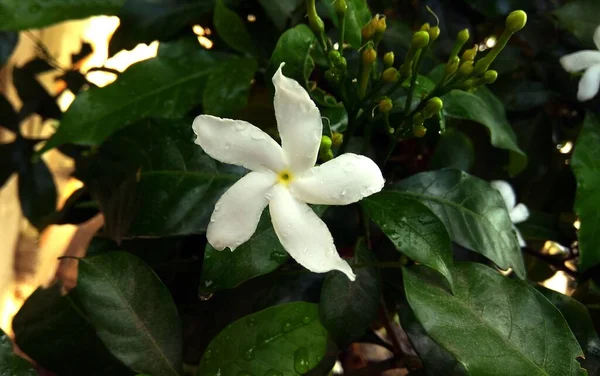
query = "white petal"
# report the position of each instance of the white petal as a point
(298, 121)
(304, 235)
(507, 193)
(579, 61)
(589, 84)
(597, 37)
(238, 211)
(519, 214)
(238, 142)
(520, 238)
(341, 181)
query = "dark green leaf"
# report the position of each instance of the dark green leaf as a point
(280, 11)
(178, 183)
(347, 308)
(8, 42)
(293, 49)
(53, 331)
(413, 228)
(37, 193)
(485, 108)
(34, 14)
(10, 363)
(397, 35)
(162, 86)
(454, 150)
(231, 28)
(337, 118)
(474, 214)
(7, 167)
(492, 324)
(287, 339)
(34, 96)
(228, 87)
(523, 95)
(132, 311)
(357, 16)
(581, 18)
(8, 116)
(586, 166)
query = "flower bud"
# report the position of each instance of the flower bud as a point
(341, 7)
(368, 31)
(419, 131)
(469, 55)
(516, 21)
(369, 55)
(388, 59)
(463, 36)
(380, 25)
(385, 105)
(433, 106)
(425, 27)
(490, 76)
(420, 39)
(342, 64)
(337, 139)
(452, 66)
(325, 143)
(434, 33)
(314, 21)
(335, 56)
(326, 155)
(466, 69)
(390, 75)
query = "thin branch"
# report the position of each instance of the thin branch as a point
(555, 263)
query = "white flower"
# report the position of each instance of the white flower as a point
(285, 178)
(588, 61)
(518, 212)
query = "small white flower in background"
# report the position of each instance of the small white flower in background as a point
(518, 212)
(588, 61)
(284, 178)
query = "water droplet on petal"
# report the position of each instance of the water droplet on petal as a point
(301, 364)
(239, 126)
(256, 134)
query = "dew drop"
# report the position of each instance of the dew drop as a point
(208, 282)
(251, 321)
(287, 326)
(301, 360)
(208, 354)
(344, 192)
(426, 221)
(273, 372)
(278, 256)
(256, 134)
(306, 320)
(205, 297)
(249, 354)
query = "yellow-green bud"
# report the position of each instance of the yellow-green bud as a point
(425, 26)
(470, 54)
(380, 25)
(390, 75)
(337, 139)
(419, 131)
(341, 7)
(420, 39)
(452, 66)
(388, 59)
(385, 105)
(433, 106)
(369, 55)
(466, 69)
(314, 21)
(334, 56)
(434, 33)
(516, 21)
(326, 155)
(463, 36)
(490, 76)
(325, 143)
(368, 31)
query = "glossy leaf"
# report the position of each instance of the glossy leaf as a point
(474, 214)
(586, 166)
(132, 312)
(293, 49)
(280, 11)
(8, 42)
(287, 338)
(485, 108)
(228, 87)
(53, 331)
(34, 14)
(580, 17)
(231, 28)
(178, 183)
(10, 363)
(163, 86)
(347, 308)
(492, 324)
(357, 16)
(413, 228)
(454, 150)
(37, 192)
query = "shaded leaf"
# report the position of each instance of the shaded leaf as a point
(581, 18)
(293, 49)
(492, 324)
(8, 116)
(34, 96)
(280, 11)
(357, 16)
(231, 28)
(37, 192)
(132, 312)
(228, 87)
(454, 150)
(287, 338)
(474, 214)
(498, 8)
(10, 363)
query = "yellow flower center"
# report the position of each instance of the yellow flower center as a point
(284, 177)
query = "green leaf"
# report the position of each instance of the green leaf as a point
(132, 311)
(260, 255)
(280, 11)
(293, 48)
(485, 108)
(10, 363)
(286, 340)
(37, 192)
(357, 16)
(474, 214)
(413, 229)
(586, 166)
(163, 86)
(8, 42)
(492, 324)
(397, 35)
(228, 87)
(231, 28)
(34, 14)
(581, 18)
(347, 308)
(54, 332)
(454, 150)
(178, 183)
